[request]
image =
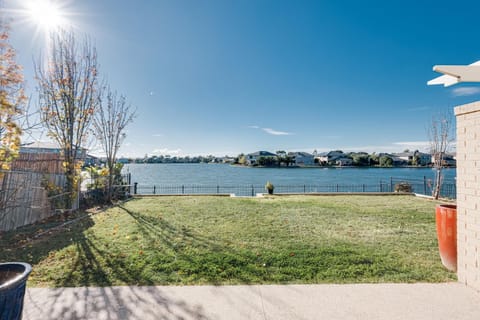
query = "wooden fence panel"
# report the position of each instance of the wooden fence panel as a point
(24, 198)
(39, 162)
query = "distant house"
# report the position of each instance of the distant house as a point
(343, 162)
(411, 158)
(123, 160)
(404, 156)
(449, 160)
(91, 161)
(48, 148)
(41, 147)
(252, 158)
(399, 159)
(228, 160)
(302, 158)
(331, 157)
(423, 158)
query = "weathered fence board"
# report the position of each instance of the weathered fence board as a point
(24, 198)
(39, 162)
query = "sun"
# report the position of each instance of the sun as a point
(46, 14)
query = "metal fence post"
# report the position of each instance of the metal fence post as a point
(154, 189)
(253, 191)
(135, 184)
(183, 189)
(218, 189)
(424, 185)
(391, 184)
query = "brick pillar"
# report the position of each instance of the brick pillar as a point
(468, 193)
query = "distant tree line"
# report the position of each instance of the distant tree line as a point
(177, 159)
(284, 159)
(356, 159)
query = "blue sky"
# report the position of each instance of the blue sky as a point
(224, 77)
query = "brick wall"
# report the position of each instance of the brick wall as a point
(468, 193)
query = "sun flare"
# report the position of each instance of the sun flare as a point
(47, 14)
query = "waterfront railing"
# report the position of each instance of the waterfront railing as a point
(420, 186)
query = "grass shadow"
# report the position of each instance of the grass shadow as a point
(196, 258)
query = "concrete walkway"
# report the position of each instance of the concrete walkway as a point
(362, 301)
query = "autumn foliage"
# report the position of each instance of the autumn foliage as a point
(12, 100)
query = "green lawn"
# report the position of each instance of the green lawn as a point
(220, 240)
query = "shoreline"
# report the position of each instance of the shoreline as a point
(338, 167)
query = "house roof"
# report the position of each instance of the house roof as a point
(262, 154)
(404, 154)
(46, 147)
(300, 153)
(41, 145)
(322, 154)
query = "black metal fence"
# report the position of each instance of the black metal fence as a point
(420, 186)
(96, 188)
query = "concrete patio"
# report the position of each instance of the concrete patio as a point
(358, 301)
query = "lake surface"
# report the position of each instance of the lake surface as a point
(227, 175)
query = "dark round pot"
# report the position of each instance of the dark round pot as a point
(13, 281)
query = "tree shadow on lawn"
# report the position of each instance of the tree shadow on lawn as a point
(34, 243)
(201, 259)
(90, 266)
(191, 258)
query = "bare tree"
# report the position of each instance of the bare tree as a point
(109, 125)
(441, 136)
(69, 95)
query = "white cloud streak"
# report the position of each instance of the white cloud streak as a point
(413, 143)
(276, 133)
(272, 131)
(465, 91)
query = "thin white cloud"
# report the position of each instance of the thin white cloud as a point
(465, 91)
(272, 131)
(166, 151)
(413, 143)
(276, 133)
(157, 135)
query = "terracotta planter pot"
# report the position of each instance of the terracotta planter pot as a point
(446, 218)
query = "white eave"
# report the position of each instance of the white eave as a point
(454, 74)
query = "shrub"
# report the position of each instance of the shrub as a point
(403, 187)
(269, 187)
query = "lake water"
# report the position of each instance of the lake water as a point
(227, 175)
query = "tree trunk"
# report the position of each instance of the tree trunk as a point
(438, 183)
(110, 183)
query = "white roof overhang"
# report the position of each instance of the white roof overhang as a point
(454, 74)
